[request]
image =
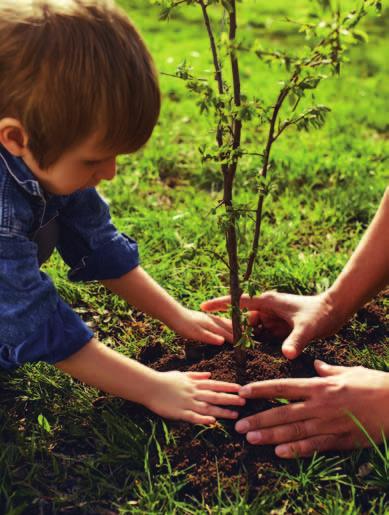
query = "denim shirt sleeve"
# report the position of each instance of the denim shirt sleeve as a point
(35, 323)
(89, 243)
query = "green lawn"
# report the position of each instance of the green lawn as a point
(81, 458)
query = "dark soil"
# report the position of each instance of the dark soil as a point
(220, 453)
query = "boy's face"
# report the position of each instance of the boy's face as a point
(81, 167)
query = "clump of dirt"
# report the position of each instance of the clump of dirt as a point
(219, 454)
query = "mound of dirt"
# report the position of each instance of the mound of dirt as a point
(219, 453)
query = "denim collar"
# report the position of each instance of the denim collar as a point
(16, 167)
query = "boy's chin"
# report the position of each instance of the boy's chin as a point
(90, 185)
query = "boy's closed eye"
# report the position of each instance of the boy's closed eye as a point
(91, 162)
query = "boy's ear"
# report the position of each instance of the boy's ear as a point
(13, 136)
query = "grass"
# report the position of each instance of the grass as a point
(59, 453)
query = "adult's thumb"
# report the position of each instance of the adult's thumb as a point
(294, 344)
(217, 304)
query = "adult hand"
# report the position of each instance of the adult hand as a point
(195, 325)
(193, 397)
(296, 318)
(320, 420)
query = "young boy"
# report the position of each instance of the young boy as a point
(77, 88)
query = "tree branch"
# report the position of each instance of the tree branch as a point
(270, 140)
(218, 73)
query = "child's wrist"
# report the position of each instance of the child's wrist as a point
(149, 385)
(174, 316)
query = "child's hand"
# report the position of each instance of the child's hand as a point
(206, 328)
(192, 397)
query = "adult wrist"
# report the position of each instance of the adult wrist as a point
(337, 305)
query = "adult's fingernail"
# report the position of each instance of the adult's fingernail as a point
(254, 436)
(242, 426)
(245, 390)
(282, 451)
(289, 351)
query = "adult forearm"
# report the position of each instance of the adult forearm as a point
(140, 290)
(367, 271)
(101, 367)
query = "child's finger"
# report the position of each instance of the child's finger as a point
(217, 328)
(222, 326)
(208, 337)
(198, 375)
(218, 386)
(197, 418)
(220, 398)
(216, 411)
(223, 322)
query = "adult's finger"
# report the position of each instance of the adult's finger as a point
(254, 318)
(295, 431)
(220, 398)
(217, 304)
(295, 412)
(291, 389)
(307, 447)
(295, 343)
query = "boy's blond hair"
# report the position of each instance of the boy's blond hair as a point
(69, 68)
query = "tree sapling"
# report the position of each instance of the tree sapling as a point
(328, 33)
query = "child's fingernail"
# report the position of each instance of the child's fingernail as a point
(242, 426)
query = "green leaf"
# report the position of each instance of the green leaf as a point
(44, 423)
(360, 35)
(251, 289)
(292, 98)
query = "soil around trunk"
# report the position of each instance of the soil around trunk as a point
(219, 455)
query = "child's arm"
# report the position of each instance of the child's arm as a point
(176, 395)
(141, 291)
(95, 251)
